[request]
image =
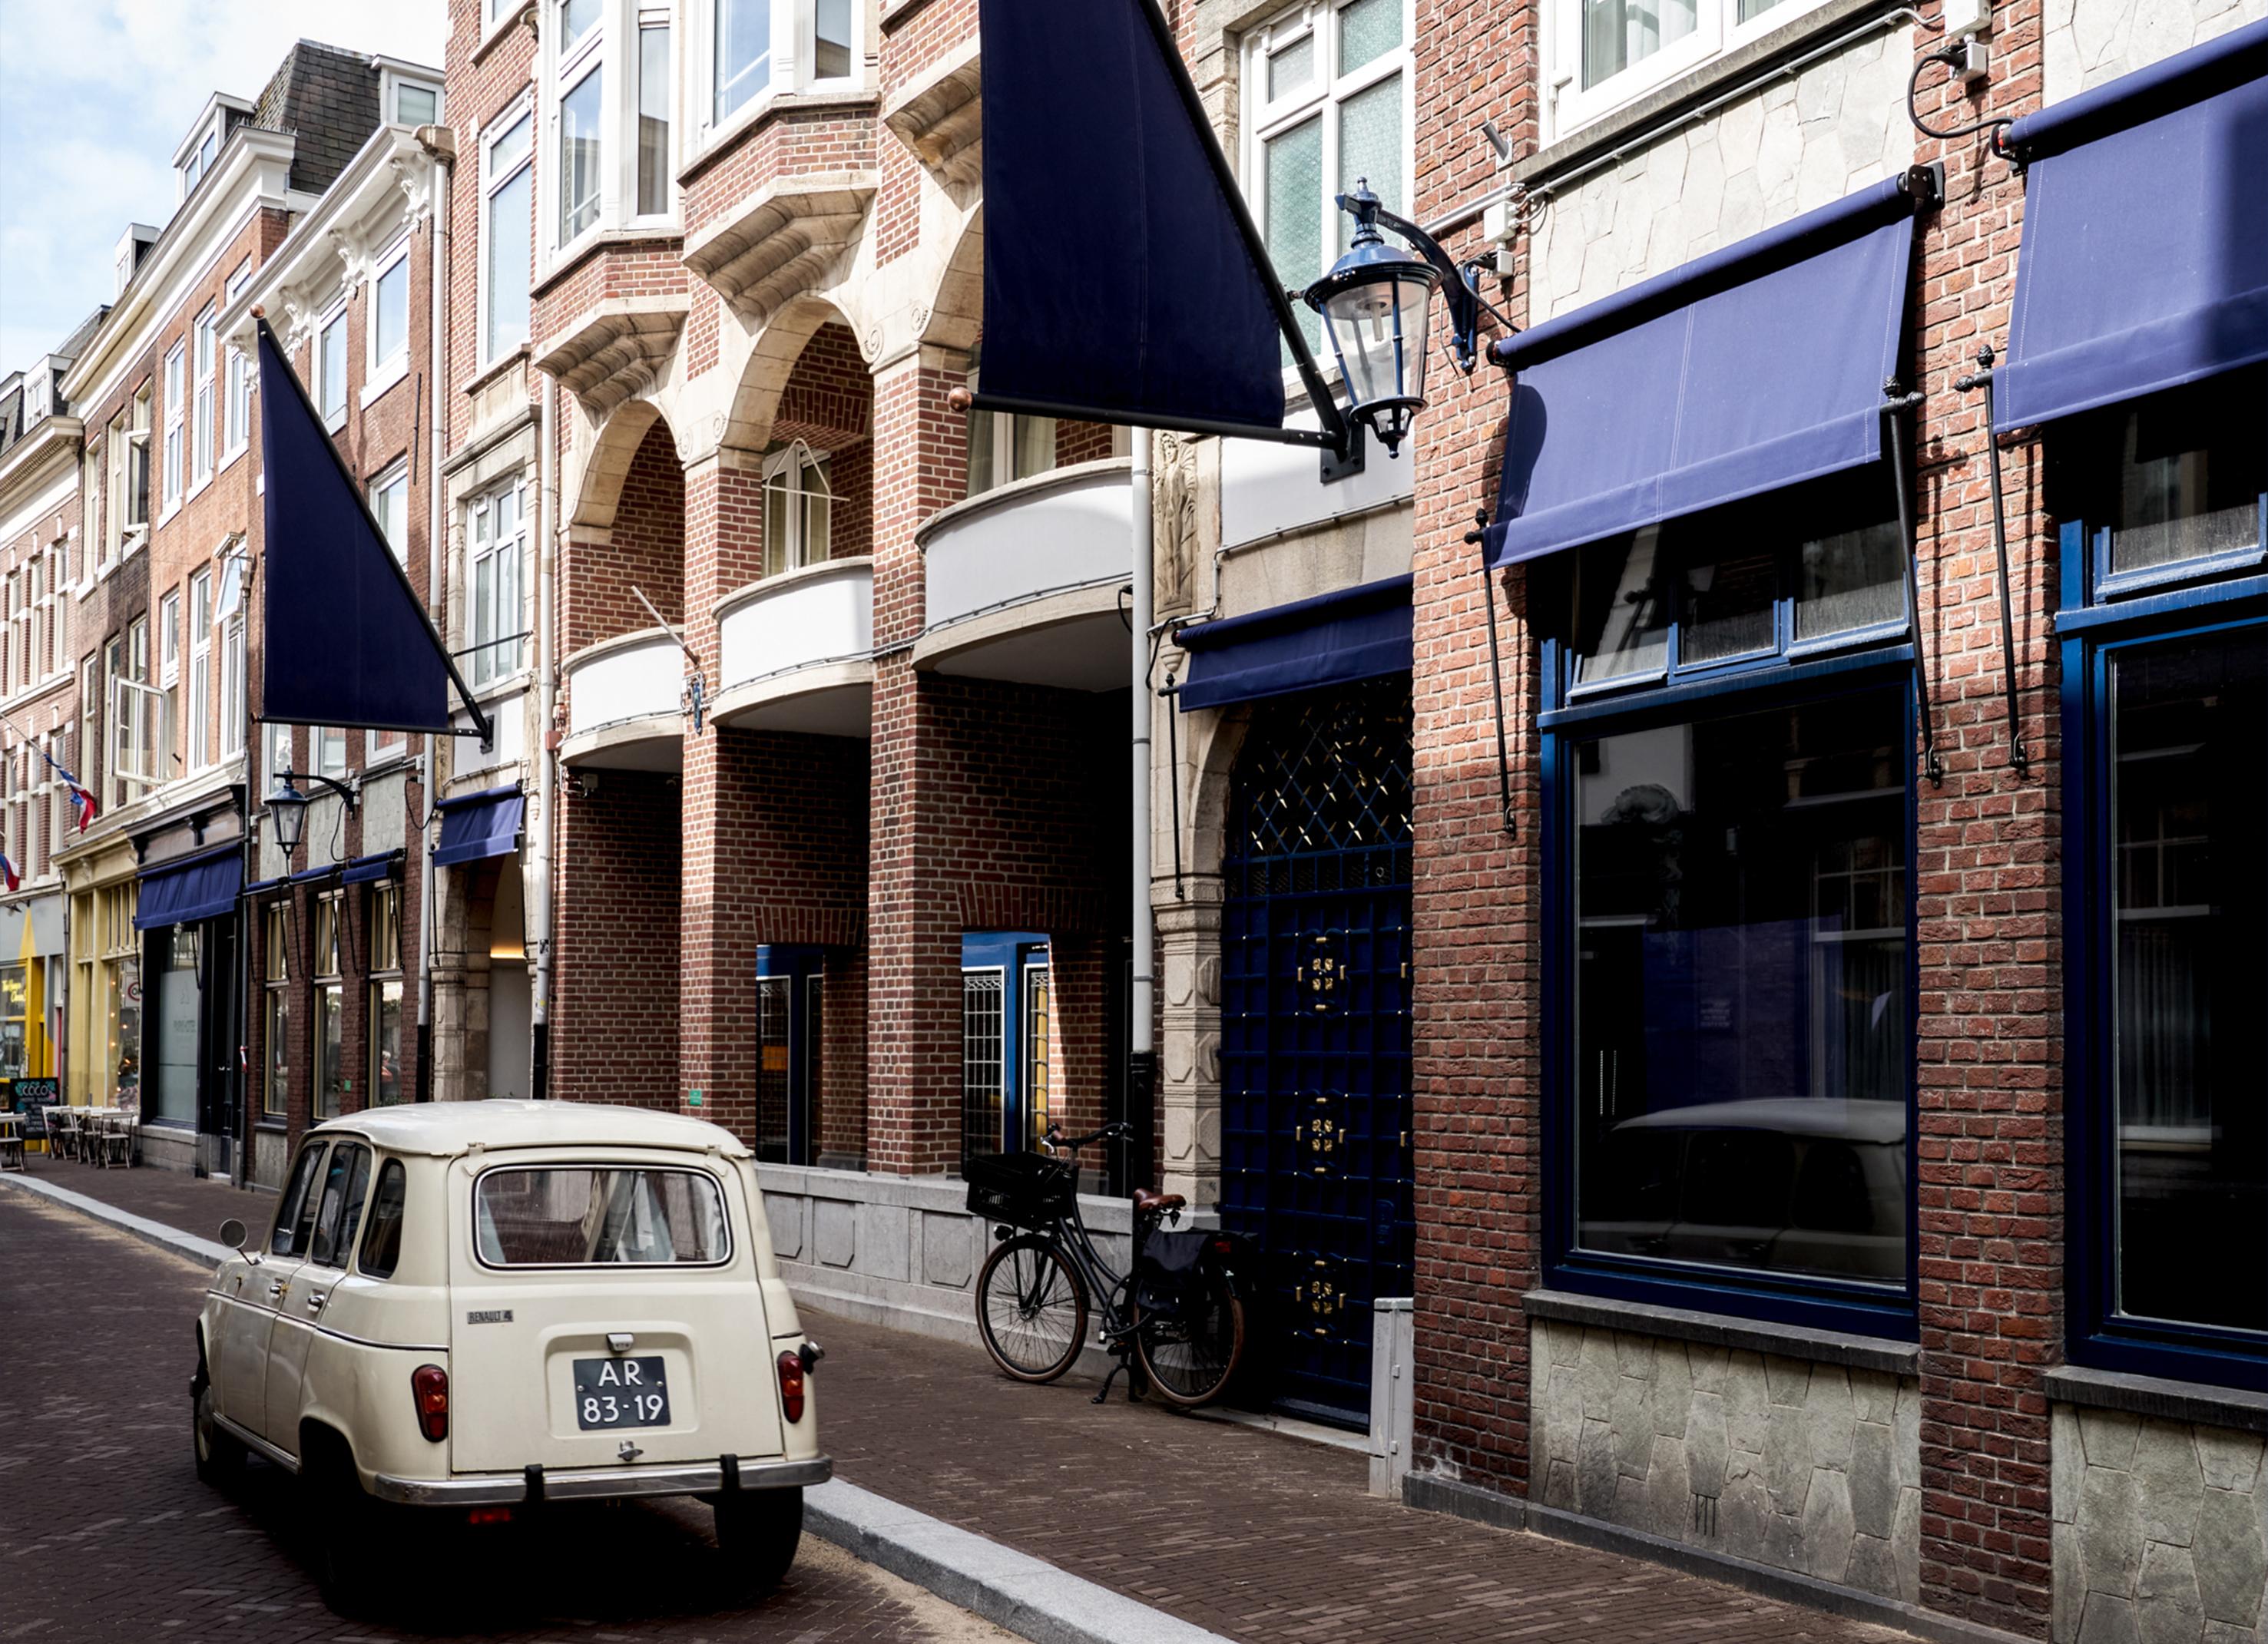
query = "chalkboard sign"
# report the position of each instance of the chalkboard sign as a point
(31, 1097)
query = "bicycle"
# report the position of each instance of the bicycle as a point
(1178, 1313)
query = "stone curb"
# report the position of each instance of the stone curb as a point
(1029, 1597)
(170, 1239)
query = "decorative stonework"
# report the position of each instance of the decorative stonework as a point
(1805, 1467)
(2084, 43)
(2161, 1531)
(1797, 145)
(1173, 466)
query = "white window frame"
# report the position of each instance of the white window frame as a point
(58, 587)
(176, 418)
(330, 748)
(785, 471)
(571, 66)
(139, 740)
(398, 475)
(228, 604)
(1566, 106)
(205, 340)
(384, 372)
(1322, 97)
(492, 181)
(199, 693)
(335, 315)
(484, 667)
(643, 17)
(393, 83)
(794, 43)
(169, 639)
(236, 380)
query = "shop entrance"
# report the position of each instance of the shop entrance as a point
(1314, 1058)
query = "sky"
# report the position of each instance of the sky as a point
(95, 97)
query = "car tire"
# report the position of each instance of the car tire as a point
(757, 1533)
(351, 1549)
(219, 1457)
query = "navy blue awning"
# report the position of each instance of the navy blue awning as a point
(344, 639)
(2145, 261)
(263, 887)
(365, 870)
(1757, 367)
(190, 888)
(1118, 275)
(308, 876)
(1332, 639)
(479, 825)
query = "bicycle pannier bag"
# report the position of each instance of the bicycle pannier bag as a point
(1165, 1272)
(1025, 1190)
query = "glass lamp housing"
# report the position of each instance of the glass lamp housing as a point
(1376, 303)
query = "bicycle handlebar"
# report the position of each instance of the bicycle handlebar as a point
(1055, 1138)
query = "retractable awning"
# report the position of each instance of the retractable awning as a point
(2144, 259)
(479, 825)
(1332, 639)
(1757, 367)
(368, 869)
(190, 888)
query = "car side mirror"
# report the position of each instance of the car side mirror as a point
(233, 1236)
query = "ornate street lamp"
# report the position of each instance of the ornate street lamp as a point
(287, 806)
(1375, 303)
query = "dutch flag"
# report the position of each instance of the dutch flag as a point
(81, 800)
(8, 871)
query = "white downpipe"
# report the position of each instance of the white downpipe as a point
(436, 520)
(1140, 1038)
(546, 831)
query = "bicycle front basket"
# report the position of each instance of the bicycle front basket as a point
(1025, 1190)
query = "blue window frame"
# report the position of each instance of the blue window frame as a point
(1729, 972)
(1007, 1041)
(791, 1046)
(2164, 633)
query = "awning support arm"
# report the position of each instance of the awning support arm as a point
(1895, 407)
(1478, 536)
(1982, 378)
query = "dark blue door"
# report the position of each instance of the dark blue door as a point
(1315, 1029)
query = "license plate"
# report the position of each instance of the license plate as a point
(620, 1393)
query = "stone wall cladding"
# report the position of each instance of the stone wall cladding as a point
(2088, 42)
(2161, 1531)
(1805, 1467)
(1797, 145)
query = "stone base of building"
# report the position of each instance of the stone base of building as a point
(169, 1148)
(899, 1251)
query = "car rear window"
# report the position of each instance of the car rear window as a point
(598, 1216)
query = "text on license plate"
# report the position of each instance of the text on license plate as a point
(620, 1393)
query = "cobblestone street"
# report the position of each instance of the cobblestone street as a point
(110, 1536)
(1254, 1535)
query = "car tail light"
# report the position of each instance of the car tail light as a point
(791, 1375)
(429, 1387)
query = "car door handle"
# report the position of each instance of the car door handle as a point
(276, 1290)
(315, 1300)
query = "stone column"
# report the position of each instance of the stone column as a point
(1189, 1038)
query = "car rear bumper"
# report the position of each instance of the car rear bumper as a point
(584, 1484)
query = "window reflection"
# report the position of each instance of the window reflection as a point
(1742, 996)
(2190, 901)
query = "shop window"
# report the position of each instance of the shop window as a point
(384, 1079)
(1729, 710)
(119, 1078)
(14, 995)
(791, 1053)
(178, 1000)
(798, 509)
(1010, 1057)
(334, 1080)
(275, 1079)
(2165, 660)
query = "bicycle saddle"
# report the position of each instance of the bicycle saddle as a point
(1146, 1201)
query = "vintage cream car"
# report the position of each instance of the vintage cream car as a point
(486, 1306)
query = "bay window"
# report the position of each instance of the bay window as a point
(2164, 505)
(1600, 54)
(579, 153)
(507, 186)
(654, 165)
(1327, 102)
(757, 47)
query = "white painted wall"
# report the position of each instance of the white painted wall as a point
(823, 615)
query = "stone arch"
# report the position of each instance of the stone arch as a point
(1212, 743)
(771, 366)
(598, 493)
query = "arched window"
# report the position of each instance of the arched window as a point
(797, 508)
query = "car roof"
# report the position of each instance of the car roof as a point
(445, 1129)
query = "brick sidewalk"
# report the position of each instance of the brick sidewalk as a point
(1258, 1537)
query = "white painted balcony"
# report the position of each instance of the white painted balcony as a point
(796, 651)
(1022, 581)
(624, 704)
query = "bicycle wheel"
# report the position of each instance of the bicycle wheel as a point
(1031, 1309)
(1190, 1358)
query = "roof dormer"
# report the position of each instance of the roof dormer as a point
(408, 93)
(199, 151)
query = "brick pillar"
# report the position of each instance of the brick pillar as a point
(716, 989)
(913, 1012)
